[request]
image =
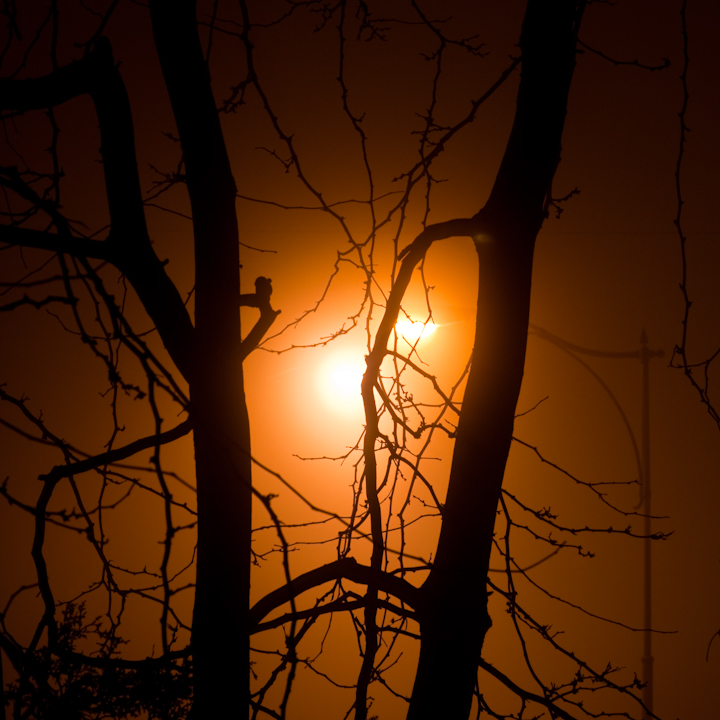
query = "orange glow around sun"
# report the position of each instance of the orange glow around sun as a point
(340, 374)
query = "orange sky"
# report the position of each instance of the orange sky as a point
(607, 269)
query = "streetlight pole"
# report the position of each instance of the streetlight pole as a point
(647, 662)
(644, 354)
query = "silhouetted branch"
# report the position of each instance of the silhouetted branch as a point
(37, 304)
(259, 299)
(74, 246)
(119, 454)
(680, 354)
(128, 246)
(660, 66)
(344, 569)
(525, 694)
(340, 605)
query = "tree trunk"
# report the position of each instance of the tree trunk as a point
(222, 434)
(454, 617)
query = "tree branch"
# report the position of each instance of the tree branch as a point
(525, 694)
(345, 569)
(128, 245)
(340, 605)
(114, 456)
(259, 299)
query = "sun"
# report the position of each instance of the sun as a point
(344, 379)
(339, 375)
(338, 379)
(413, 330)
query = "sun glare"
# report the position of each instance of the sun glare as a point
(339, 379)
(413, 330)
(344, 380)
(340, 373)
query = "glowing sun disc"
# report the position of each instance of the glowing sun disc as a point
(344, 379)
(338, 381)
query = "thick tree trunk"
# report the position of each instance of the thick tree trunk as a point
(222, 434)
(454, 618)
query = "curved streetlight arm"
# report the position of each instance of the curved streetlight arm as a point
(644, 355)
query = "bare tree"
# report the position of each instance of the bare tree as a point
(195, 372)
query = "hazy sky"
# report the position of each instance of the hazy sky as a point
(606, 270)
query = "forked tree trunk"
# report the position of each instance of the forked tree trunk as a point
(454, 618)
